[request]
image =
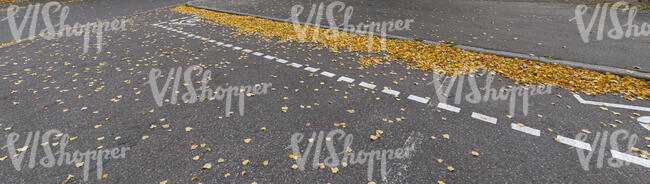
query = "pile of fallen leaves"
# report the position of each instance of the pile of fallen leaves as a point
(435, 58)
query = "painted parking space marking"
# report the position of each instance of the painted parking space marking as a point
(391, 92)
(525, 129)
(269, 57)
(448, 107)
(327, 74)
(630, 158)
(483, 117)
(281, 61)
(418, 99)
(367, 85)
(258, 53)
(573, 143)
(310, 69)
(346, 79)
(295, 65)
(622, 106)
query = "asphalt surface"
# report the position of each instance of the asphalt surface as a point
(537, 28)
(52, 84)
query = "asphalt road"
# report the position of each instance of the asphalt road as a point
(103, 101)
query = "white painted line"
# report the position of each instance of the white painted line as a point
(219, 43)
(630, 158)
(644, 119)
(247, 50)
(390, 92)
(574, 143)
(227, 45)
(646, 126)
(367, 85)
(237, 48)
(212, 41)
(204, 39)
(484, 118)
(346, 79)
(310, 69)
(295, 65)
(583, 101)
(281, 61)
(269, 57)
(525, 129)
(448, 107)
(184, 33)
(418, 99)
(327, 74)
(258, 53)
(190, 35)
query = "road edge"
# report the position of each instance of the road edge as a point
(598, 68)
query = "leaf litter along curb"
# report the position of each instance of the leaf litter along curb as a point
(437, 58)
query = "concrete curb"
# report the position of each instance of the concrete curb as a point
(598, 68)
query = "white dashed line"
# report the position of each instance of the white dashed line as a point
(269, 57)
(281, 61)
(258, 53)
(247, 50)
(448, 107)
(310, 69)
(227, 45)
(219, 43)
(295, 65)
(484, 118)
(630, 158)
(327, 74)
(190, 35)
(574, 143)
(237, 48)
(390, 92)
(418, 99)
(367, 85)
(346, 79)
(525, 129)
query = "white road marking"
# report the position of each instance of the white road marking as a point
(484, 118)
(525, 129)
(258, 53)
(219, 43)
(295, 65)
(583, 101)
(367, 85)
(646, 126)
(644, 119)
(574, 143)
(390, 92)
(327, 74)
(227, 45)
(247, 50)
(418, 99)
(346, 79)
(281, 61)
(310, 69)
(237, 48)
(190, 35)
(448, 107)
(212, 41)
(269, 57)
(630, 158)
